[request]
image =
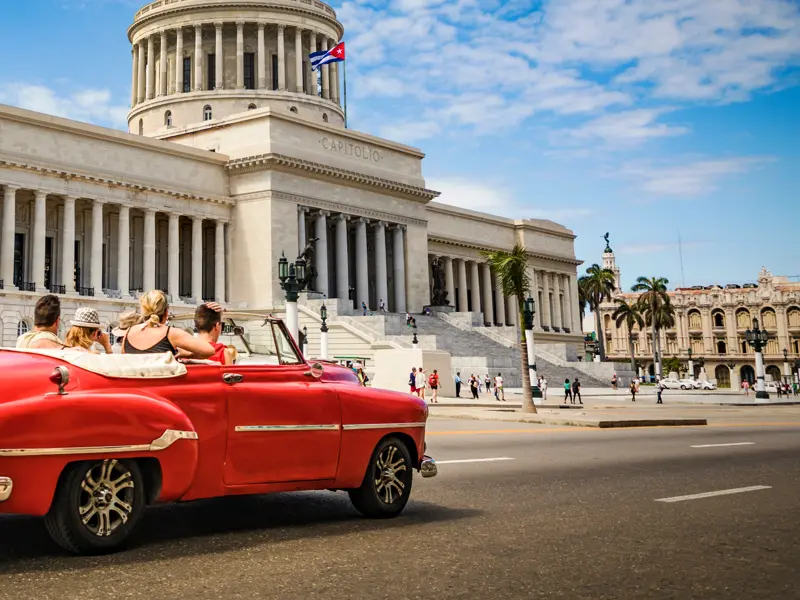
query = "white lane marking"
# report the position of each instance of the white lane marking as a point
(752, 488)
(722, 445)
(471, 460)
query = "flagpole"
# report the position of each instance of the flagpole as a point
(344, 66)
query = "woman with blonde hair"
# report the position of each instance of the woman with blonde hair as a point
(85, 332)
(154, 336)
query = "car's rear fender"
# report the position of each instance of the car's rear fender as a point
(41, 436)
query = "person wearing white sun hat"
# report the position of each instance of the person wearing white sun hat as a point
(85, 331)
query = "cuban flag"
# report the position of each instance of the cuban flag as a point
(323, 57)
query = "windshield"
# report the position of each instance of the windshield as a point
(286, 352)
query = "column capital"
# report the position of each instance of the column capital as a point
(98, 201)
(10, 188)
(364, 220)
(70, 198)
(380, 223)
(221, 222)
(281, 27)
(240, 24)
(261, 25)
(303, 209)
(198, 27)
(149, 210)
(39, 194)
(397, 227)
(196, 218)
(343, 217)
(322, 213)
(218, 25)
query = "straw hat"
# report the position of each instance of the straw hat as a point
(126, 320)
(86, 317)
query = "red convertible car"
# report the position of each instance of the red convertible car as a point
(88, 441)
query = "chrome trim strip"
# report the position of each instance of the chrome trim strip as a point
(164, 441)
(382, 425)
(251, 428)
(6, 486)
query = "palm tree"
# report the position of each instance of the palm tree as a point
(630, 314)
(658, 310)
(597, 285)
(512, 273)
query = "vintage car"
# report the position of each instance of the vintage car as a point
(88, 441)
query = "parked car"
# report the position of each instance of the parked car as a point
(708, 385)
(678, 384)
(88, 441)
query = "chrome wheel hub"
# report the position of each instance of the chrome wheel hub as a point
(106, 501)
(388, 482)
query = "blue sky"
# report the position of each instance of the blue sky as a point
(645, 119)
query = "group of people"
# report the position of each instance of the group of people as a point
(478, 386)
(143, 332)
(419, 380)
(358, 368)
(572, 391)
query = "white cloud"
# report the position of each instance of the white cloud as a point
(472, 195)
(92, 105)
(626, 128)
(558, 214)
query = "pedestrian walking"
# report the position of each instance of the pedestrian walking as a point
(382, 306)
(632, 387)
(412, 380)
(499, 392)
(458, 385)
(433, 382)
(576, 391)
(364, 308)
(473, 386)
(659, 389)
(544, 387)
(780, 389)
(614, 381)
(746, 387)
(487, 382)
(567, 393)
(421, 383)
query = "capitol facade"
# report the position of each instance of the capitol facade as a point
(237, 153)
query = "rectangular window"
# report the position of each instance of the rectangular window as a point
(274, 71)
(249, 70)
(211, 71)
(187, 74)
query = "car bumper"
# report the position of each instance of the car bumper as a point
(6, 485)
(427, 467)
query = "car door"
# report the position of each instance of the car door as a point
(283, 425)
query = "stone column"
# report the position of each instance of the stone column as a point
(219, 62)
(557, 302)
(547, 322)
(281, 59)
(179, 61)
(123, 251)
(149, 250)
(449, 281)
(567, 315)
(499, 301)
(162, 91)
(577, 325)
(198, 58)
(39, 228)
(301, 228)
(262, 58)
(197, 258)
(239, 55)
(298, 59)
(97, 249)
(513, 310)
(7, 248)
(475, 291)
(342, 259)
(321, 252)
(219, 262)
(151, 63)
(174, 252)
(381, 275)
(335, 82)
(488, 306)
(462, 286)
(313, 47)
(362, 272)
(142, 77)
(68, 246)
(398, 251)
(135, 77)
(326, 92)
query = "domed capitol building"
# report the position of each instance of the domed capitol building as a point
(236, 153)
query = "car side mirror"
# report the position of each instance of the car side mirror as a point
(316, 370)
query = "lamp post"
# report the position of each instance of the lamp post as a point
(787, 374)
(757, 338)
(293, 281)
(528, 313)
(702, 362)
(323, 332)
(691, 364)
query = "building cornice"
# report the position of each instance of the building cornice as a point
(281, 162)
(132, 186)
(513, 224)
(484, 248)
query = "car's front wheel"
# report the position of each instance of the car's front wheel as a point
(97, 505)
(386, 487)
(683, 387)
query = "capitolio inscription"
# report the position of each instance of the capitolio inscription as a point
(349, 149)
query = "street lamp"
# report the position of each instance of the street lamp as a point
(528, 312)
(757, 338)
(691, 364)
(732, 365)
(786, 372)
(702, 362)
(323, 332)
(292, 277)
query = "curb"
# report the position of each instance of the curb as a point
(598, 424)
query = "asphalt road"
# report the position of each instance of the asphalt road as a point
(567, 513)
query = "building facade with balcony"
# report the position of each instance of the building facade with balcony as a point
(711, 322)
(236, 152)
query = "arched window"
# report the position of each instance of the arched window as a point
(251, 107)
(168, 118)
(722, 348)
(695, 322)
(293, 109)
(768, 319)
(207, 113)
(324, 117)
(743, 320)
(793, 315)
(23, 327)
(719, 319)
(141, 126)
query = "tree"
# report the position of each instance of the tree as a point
(673, 363)
(597, 286)
(658, 311)
(630, 314)
(511, 269)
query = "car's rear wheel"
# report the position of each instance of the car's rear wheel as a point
(387, 483)
(683, 387)
(97, 505)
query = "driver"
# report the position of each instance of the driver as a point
(208, 323)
